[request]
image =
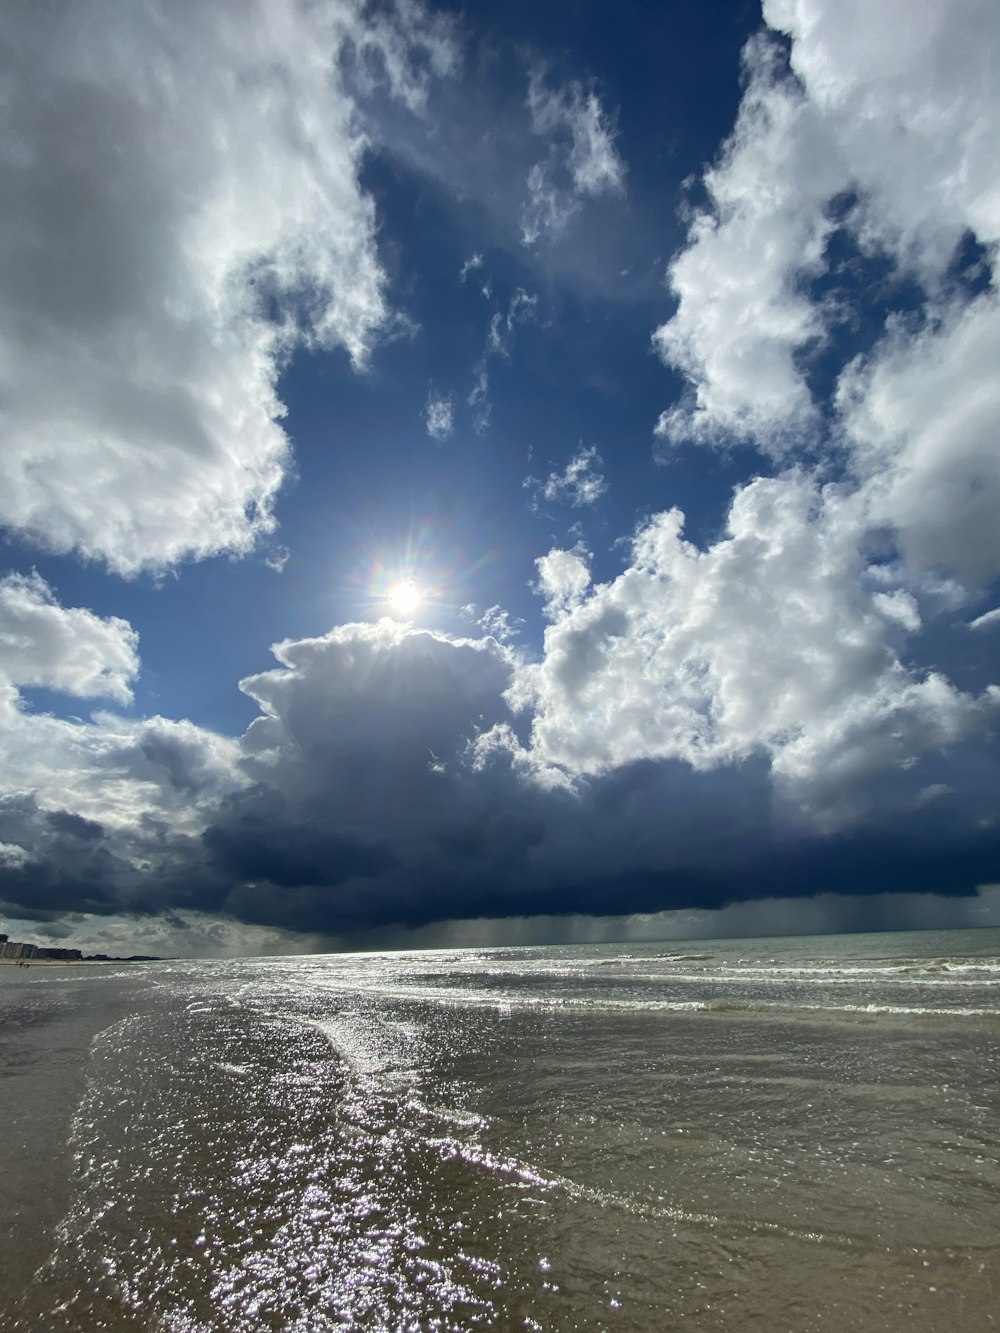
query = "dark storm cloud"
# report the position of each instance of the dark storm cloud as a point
(384, 783)
(501, 850)
(450, 831)
(291, 855)
(62, 862)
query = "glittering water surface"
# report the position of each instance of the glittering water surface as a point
(790, 1134)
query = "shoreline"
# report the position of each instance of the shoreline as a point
(76, 962)
(47, 962)
(46, 1036)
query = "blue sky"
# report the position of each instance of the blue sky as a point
(652, 348)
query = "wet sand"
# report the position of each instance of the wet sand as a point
(48, 1018)
(73, 962)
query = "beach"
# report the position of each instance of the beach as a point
(791, 1134)
(45, 1038)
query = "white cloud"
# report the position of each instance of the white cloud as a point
(581, 482)
(547, 209)
(68, 649)
(386, 781)
(741, 312)
(439, 414)
(899, 606)
(773, 641)
(987, 620)
(582, 161)
(563, 579)
(118, 772)
(479, 398)
(921, 416)
(895, 106)
(781, 640)
(910, 93)
(171, 175)
(154, 208)
(593, 160)
(13, 856)
(496, 621)
(89, 808)
(521, 308)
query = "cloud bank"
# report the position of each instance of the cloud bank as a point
(389, 780)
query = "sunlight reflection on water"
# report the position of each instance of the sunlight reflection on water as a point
(540, 1138)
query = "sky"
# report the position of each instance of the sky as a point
(518, 473)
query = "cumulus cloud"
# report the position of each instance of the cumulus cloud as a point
(125, 775)
(108, 812)
(13, 856)
(181, 208)
(910, 95)
(582, 161)
(869, 139)
(772, 641)
(67, 649)
(883, 128)
(741, 312)
(387, 780)
(99, 811)
(921, 416)
(563, 579)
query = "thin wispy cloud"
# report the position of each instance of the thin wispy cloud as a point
(500, 336)
(582, 160)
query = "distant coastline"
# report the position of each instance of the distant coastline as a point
(14, 951)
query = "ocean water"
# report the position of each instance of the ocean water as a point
(784, 1134)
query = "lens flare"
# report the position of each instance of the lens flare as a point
(404, 597)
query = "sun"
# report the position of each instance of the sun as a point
(404, 597)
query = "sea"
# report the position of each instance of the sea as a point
(779, 1134)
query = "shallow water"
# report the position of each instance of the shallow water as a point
(797, 1134)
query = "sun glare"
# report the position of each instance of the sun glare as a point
(404, 597)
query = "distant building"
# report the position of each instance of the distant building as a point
(14, 950)
(56, 953)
